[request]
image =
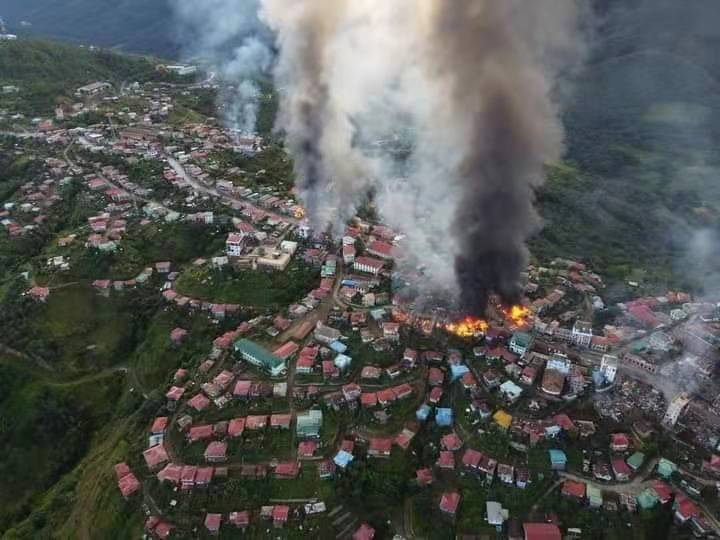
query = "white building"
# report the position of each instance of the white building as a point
(510, 391)
(582, 333)
(369, 265)
(675, 409)
(608, 367)
(495, 513)
(559, 362)
(234, 244)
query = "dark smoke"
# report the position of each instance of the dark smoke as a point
(500, 87)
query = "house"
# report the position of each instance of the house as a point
(528, 375)
(256, 422)
(424, 477)
(288, 470)
(685, 509)
(155, 457)
(449, 503)
(159, 425)
(171, 473)
(621, 470)
(660, 492)
(444, 416)
(471, 459)
(391, 331)
(601, 471)
(260, 357)
(558, 459)
(235, 243)
(280, 421)
(541, 531)
(503, 419)
(368, 265)
(451, 442)
(385, 397)
(308, 424)
(446, 460)
(435, 395)
(240, 520)
(510, 391)
(351, 392)
(435, 377)
(495, 514)
(619, 442)
(216, 452)
(128, 485)
(307, 449)
(506, 473)
(200, 433)
(280, 514)
(666, 468)
(573, 490)
(343, 458)
(380, 447)
(582, 333)
(409, 358)
(368, 399)
(364, 532)
(199, 402)
(371, 373)
(594, 496)
(520, 343)
(636, 461)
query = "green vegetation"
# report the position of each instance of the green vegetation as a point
(46, 429)
(249, 288)
(47, 71)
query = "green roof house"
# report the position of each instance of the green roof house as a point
(666, 468)
(260, 357)
(636, 461)
(558, 459)
(520, 343)
(308, 424)
(648, 499)
(594, 496)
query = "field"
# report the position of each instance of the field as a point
(249, 288)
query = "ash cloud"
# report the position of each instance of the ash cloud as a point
(469, 85)
(238, 46)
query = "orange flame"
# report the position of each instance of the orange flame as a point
(468, 327)
(299, 212)
(519, 315)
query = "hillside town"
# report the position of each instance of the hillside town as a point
(507, 425)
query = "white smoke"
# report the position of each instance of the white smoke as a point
(237, 45)
(352, 73)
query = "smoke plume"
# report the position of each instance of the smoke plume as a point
(467, 87)
(238, 46)
(499, 61)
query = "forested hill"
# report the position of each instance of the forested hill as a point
(639, 194)
(132, 25)
(47, 71)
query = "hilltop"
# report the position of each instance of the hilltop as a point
(131, 25)
(46, 71)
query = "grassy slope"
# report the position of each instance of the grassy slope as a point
(46, 427)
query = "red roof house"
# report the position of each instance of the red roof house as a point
(449, 502)
(574, 490)
(212, 523)
(155, 457)
(542, 531)
(236, 427)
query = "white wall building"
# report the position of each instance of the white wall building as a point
(608, 367)
(582, 333)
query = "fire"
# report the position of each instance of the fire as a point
(519, 315)
(299, 212)
(468, 327)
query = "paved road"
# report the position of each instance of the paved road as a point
(198, 186)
